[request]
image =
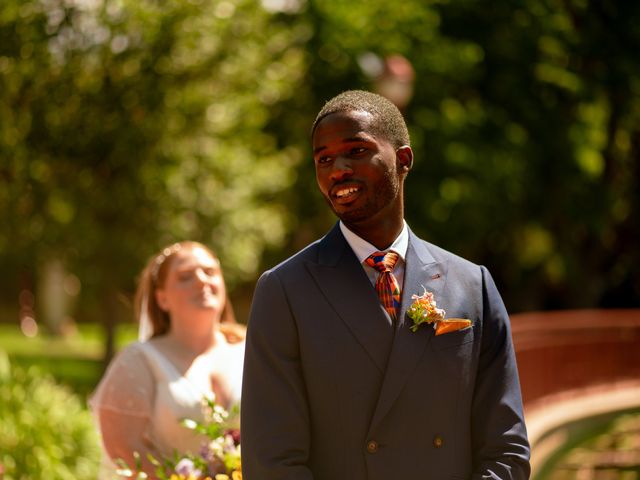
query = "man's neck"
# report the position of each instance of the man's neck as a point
(380, 235)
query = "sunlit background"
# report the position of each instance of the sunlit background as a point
(126, 125)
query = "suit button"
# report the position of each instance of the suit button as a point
(437, 441)
(372, 446)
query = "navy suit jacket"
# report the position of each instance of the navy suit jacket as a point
(332, 390)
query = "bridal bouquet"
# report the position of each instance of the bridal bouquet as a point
(219, 457)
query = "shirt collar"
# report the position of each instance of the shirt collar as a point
(364, 249)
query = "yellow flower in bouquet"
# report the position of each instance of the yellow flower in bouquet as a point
(234, 476)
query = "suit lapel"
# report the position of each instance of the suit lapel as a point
(421, 270)
(347, 288)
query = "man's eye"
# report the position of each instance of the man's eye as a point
(323, 159)
(358, 150)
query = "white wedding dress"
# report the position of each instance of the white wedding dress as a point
(142, 382)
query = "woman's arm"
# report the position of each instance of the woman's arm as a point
(123, 436)
(123, 405)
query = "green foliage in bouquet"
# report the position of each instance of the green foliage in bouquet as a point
(45, 432)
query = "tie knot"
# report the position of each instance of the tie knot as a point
(382, 262)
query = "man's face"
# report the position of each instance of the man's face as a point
(356, 171)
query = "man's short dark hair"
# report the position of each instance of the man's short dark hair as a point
(387, 119)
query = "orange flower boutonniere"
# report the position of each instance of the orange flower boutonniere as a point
(424, 310)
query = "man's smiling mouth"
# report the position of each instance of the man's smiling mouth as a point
(346, 192)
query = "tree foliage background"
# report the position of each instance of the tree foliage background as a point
(126, 125)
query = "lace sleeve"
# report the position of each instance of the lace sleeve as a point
(127, 386)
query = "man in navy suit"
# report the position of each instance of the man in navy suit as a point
(336, 383)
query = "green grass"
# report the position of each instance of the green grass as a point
(74, 360)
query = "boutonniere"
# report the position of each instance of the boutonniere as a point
(424, 310)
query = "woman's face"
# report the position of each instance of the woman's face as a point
(193, 284)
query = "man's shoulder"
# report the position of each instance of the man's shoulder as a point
(306, 254)
(461, 272)
(325, 249)
(298, 259)
(442, 255)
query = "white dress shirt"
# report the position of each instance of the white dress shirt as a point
(364, 249)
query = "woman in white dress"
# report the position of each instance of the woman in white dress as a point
(186, 353)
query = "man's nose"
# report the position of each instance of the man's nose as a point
(341, 169)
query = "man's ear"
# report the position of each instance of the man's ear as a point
(404, 157)
(161, 298)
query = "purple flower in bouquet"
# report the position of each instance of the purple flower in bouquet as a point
(222, 454)
(187, 468)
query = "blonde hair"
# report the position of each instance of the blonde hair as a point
(153, 277)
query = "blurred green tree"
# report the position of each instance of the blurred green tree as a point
(130, 124)
(127, 125)
(525, 125)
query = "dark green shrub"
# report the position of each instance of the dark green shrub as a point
(45, 430)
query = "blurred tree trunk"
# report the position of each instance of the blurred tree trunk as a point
(109, 322)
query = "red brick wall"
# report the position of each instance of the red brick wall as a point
(566, 350)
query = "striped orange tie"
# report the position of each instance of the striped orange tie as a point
(387, 286)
